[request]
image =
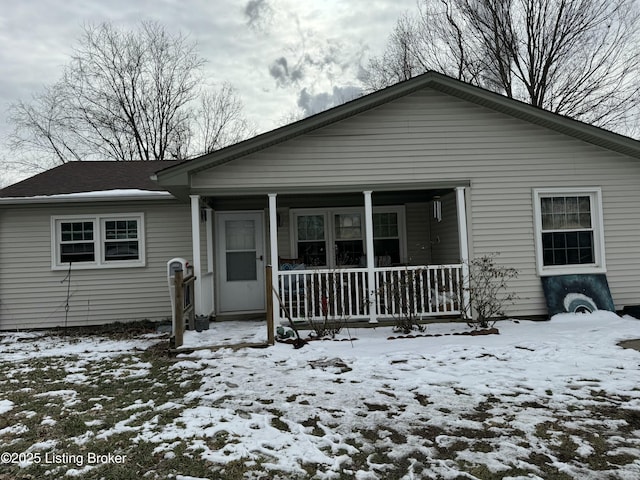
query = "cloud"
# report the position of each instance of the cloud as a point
(283, 74)
(312, 103)
(322, 61)
(259, 14)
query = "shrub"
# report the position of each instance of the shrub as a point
(398, 298)
(487, 291)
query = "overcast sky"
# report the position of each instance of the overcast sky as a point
(278, 54)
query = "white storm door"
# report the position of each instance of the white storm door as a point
(240, 262)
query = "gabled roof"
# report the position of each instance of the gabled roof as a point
(176, 178)
(81, 177)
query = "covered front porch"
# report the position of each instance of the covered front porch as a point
(318, 247)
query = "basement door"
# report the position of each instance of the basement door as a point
(240, 255)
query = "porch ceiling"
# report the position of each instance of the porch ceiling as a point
(335, 199)
(331, 189)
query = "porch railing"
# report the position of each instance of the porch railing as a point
(420, 291)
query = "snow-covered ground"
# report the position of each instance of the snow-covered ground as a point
(555, 399)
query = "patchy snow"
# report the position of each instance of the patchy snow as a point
(219, 333)
(21, 346)
(562, 361)
(493, 400)
(5, 406)
(114, 194)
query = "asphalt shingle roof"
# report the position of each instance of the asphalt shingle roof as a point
(78, 177)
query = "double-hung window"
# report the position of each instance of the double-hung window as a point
(310, 237)
(349, 238)
(99, 241)
(569, 231)
(121, 239)
(386, 237)
(76, 241)
(341, 232)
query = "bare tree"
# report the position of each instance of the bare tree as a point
(219, 120)
(579, 58)
(126, 95)
(402, 58)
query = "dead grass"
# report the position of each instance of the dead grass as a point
(96, 415)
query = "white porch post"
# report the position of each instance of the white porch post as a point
(195, 243)
(210, 273)
(371, 275)
(464, 250)
(273, 244)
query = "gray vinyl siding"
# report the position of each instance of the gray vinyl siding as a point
(418, 233)
(445, 244)
(32, 295)
(429, 138)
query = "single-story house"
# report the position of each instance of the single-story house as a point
(403, 185)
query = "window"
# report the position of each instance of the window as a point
(569, 233)
(77, 242)
(386, 237)
(121, 240)
(103, 241)
(342, 231)
(311, 245)
(348, 238)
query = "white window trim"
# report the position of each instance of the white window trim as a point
(330, 229)
(595, 193)
(99, 241)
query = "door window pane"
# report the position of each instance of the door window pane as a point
(241, 266)
(240, 234)
(241, 254)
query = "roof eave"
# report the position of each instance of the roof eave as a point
(86, 198)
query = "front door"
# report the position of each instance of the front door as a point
(240, 254)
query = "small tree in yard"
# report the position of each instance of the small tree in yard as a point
(487, 291)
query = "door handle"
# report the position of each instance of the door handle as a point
(259, 258)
